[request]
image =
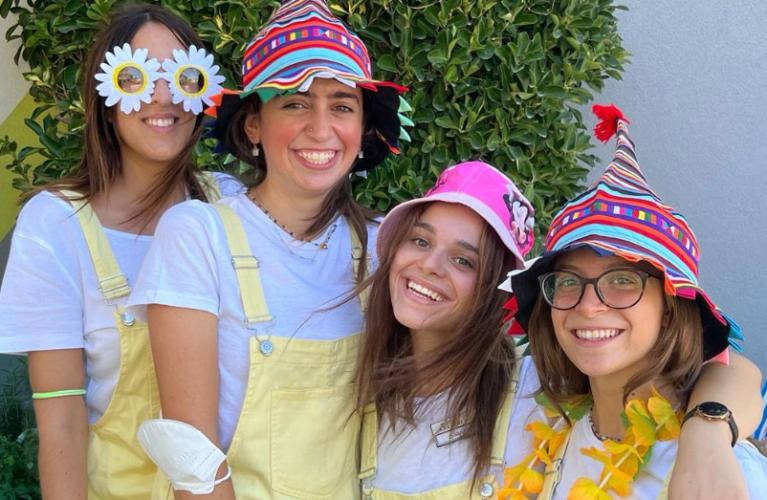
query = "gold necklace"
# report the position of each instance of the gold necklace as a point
(323, 245)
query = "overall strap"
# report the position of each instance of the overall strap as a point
(246, 267)
(209, 186)
(112, 282)
(369, 442)
(500, 434)
(356, 261)
(369, 436)
(663, 495)
(552, 475)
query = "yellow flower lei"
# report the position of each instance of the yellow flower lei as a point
(645, 424)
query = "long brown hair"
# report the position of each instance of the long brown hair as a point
(100, 163)
(677, 355)
(474, 365)
(340, 199)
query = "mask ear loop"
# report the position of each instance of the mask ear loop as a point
(119, 60)
(201, 62)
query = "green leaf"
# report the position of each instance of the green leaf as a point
(437, 56)
(387, 63)
(5, 7)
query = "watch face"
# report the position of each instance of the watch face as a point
(713, 409)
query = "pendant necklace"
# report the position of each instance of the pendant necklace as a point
(323, 245)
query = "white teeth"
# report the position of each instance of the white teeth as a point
(159, 122)
(596, 334)
(318, 157)
(412, 285)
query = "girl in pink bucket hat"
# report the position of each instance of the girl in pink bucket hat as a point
(436, 372)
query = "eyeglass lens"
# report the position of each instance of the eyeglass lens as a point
(619, 288)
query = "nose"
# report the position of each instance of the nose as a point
(433, 263)
(590, 303)
(319, 125)
(161, 94)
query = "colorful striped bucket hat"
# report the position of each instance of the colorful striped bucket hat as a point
(620, 215)
(302, 41)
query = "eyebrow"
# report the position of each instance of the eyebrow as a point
(335, 95)
(461, 243)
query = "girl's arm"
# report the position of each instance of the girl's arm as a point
(705, 466)
(62, 423)
(184, 345)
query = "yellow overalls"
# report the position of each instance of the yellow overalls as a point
(297, 433)
(117, 465)
(484, 489)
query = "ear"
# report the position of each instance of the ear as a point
(253, 127)
(666, 318)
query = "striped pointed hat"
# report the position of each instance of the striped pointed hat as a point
(621, 215)
(302, 41)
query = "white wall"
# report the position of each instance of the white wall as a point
(696, 95)
(12, 86)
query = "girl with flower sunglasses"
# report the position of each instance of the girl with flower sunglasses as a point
(619, 329)
(79, 243)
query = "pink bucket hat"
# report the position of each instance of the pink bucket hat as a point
(485, 190)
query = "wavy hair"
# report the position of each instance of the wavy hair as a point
(474, 365)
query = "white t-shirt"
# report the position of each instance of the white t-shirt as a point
(49, 297)
(409, 461)
(189, 266)
(650, 481)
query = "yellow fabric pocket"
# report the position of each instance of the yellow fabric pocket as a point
(314, 435)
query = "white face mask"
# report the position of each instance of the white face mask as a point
(183, 453)
(128, 77)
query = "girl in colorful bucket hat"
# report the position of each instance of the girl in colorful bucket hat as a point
(619, 329)
(255, 370)
(79, 243)
(436, 372)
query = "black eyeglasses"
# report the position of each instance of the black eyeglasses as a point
(617, 288)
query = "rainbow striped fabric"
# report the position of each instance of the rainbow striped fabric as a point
(623, 216)
(620, 215)
(761, 430)
(301, 39)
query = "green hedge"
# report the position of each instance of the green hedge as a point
(18, 437)
(502, 80)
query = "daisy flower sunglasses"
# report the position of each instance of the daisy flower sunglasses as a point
(128, 78)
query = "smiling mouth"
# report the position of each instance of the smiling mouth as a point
(317, 157)
(424, 292)
(597, 334)
(160, 122)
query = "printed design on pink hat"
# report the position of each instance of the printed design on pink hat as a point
(441, 181)
(521, 220)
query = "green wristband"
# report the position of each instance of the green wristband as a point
(58, 394)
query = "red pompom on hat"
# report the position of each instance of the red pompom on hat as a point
(608, 121)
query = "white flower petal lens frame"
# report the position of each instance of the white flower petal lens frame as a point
(129, 78)
(193, 78)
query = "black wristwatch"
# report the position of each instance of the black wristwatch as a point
(711, 410)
